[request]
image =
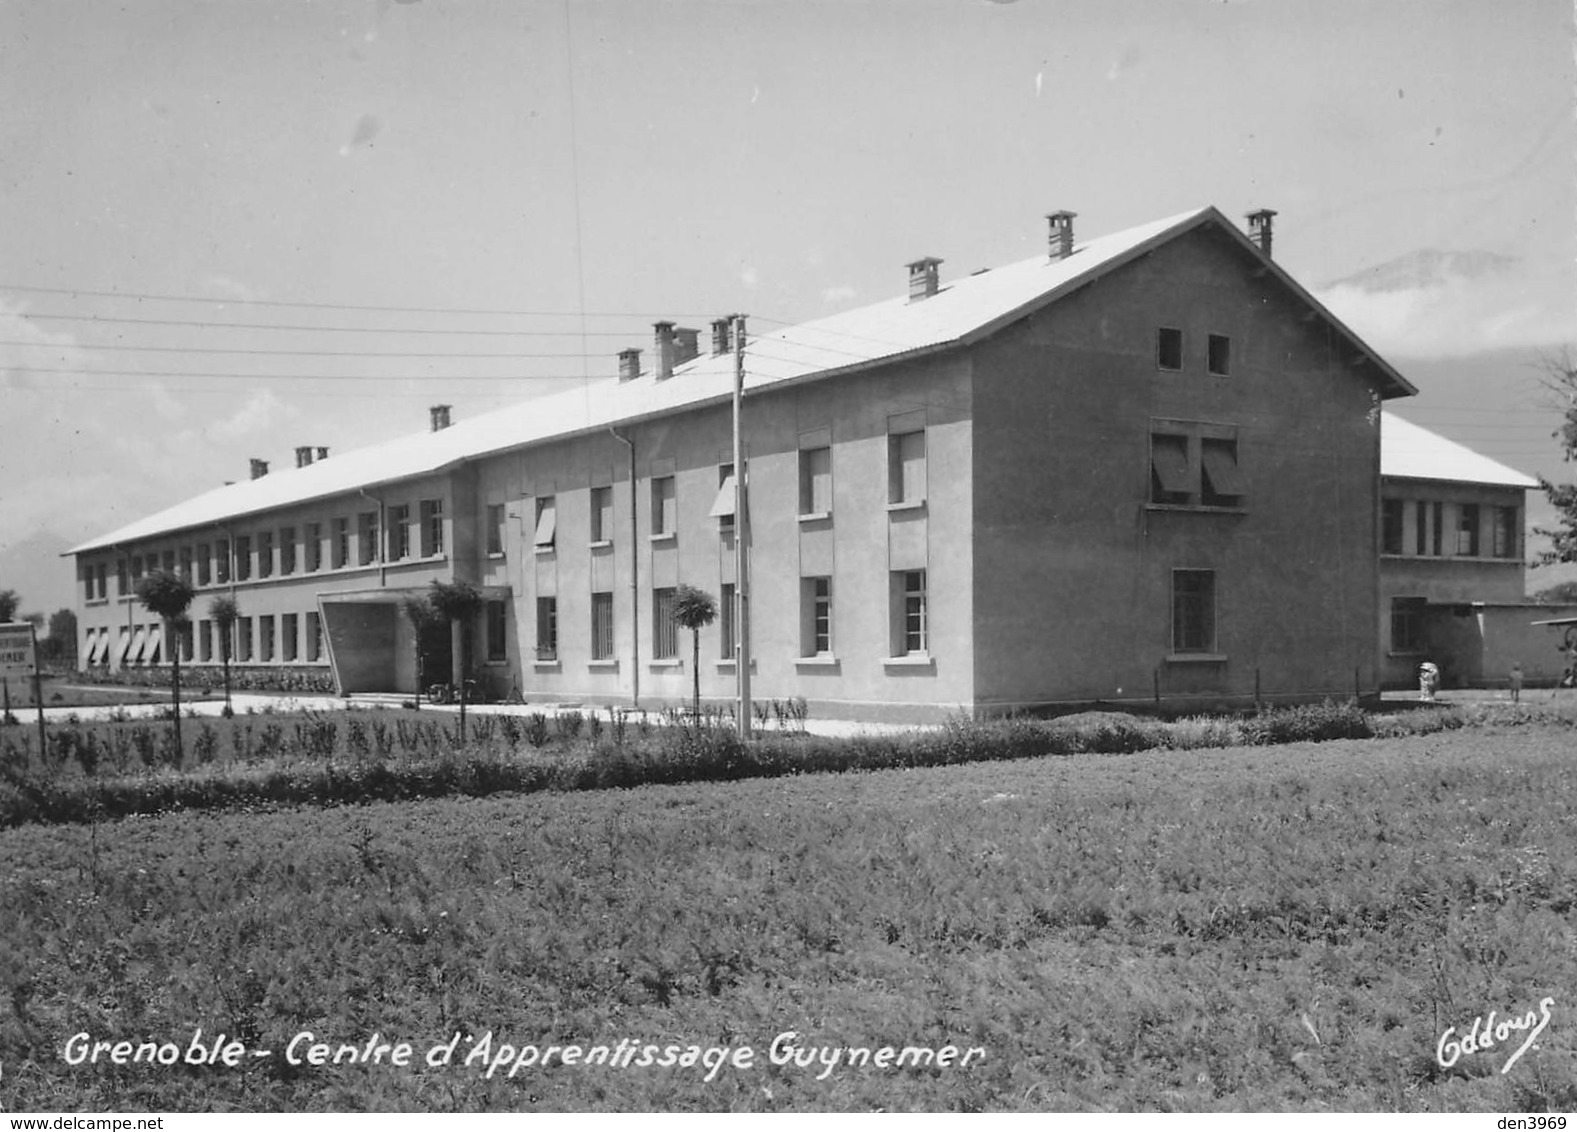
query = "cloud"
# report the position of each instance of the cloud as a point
(1451, 317)
(262, 411)
(842, 293)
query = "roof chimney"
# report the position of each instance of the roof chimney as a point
(663, 348)
(259, 468)
(923, 278)
(722, 335)
(323, 453)
(686, 345)
(303, 455)
(439, 415)
(629, 364)
(1059, 238)
(1259, 228)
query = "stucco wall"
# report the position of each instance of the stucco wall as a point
(1073, 576)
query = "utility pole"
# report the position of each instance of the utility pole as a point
(741, 540)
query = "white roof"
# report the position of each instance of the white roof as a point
(961, 312)
(1408, 451)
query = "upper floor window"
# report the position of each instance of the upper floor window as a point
(1391, 514)
(1218, 355)
(265, 554)
(1169, 348)
(369, 537)
(287, 554)
(495, 529)
(314, 547)
(906, 467)
(546, 523)
(1467, 530)
(204, 564)
(399, 532)
(602, 514)
(727, 498)
(341, 541)
(243, 558)
(432, 527)
(665, 517)
(1505, 533)
(1196, 465)
(1221, 484)
(815, 480)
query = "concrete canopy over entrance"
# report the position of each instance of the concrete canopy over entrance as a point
(372, 642)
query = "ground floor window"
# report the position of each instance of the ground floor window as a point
(911, 627)
(665, 631)
(1193, 611)
(815, 616)
(288, 629)
(314, 636)
(725, 620)
(1407, 624)
(602, 626)
(266, 635)
(497, 614)
(244, 626)
(548, 628)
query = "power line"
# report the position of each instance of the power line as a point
(204, 324)
(144, 296)
(89, 347)
(296, 376)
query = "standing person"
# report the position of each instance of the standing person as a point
(1516, 681)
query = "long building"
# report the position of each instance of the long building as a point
(1141, 467)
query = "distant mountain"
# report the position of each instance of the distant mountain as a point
(34, 569)
(1423, 269)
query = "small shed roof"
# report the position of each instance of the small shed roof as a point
(1409, 451)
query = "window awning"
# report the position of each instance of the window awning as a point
(723, 506)
(546, 523)
(151, 654)
(1169, 458)
(121, 645)
(101, 640)
(137, 644)
(1222, 469)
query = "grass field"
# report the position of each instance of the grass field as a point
(1284, 927)
(64, 691)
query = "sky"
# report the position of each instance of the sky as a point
(229, 228)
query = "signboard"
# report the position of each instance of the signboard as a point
(16, 649)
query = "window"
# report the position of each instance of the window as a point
(910, 629)
(1420, 528)
(399, 532)
(1391, 512)
(1169, 348)
(1171, 484)
(1437, 528)
(244, 627)
(1467, 529)
(432, 527)
(122, 579)
(205, 642)
(497, 613)
(186, 562)
(222, 561)
(601, 514)
(265, 554)
(314, 636)
(1504, 546)
(287, 550)
(183, 633)
(104, 580)
(314, 547)
(1407, 624)
(665, 517)
(266, 637)
(169, 562)
(341, 542)
(243, 557)
(495, 529)
(906, 468)
(725, 621)
(1218, 358)
(1221, 485)
(1194, 611)
(815, 481)
(136, 568)
(369, 537)
(815, 616)
(546, 522)
(665, 630)
(727, 499)
(602, 626)
(289, 626)
(548, 628)
(205, 564)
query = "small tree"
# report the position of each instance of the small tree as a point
(168, 595)
(9, 600)
(63, 637)
(693, 610)
(225, 613)
(457, 603)
(1560, 379)
(419, 611)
